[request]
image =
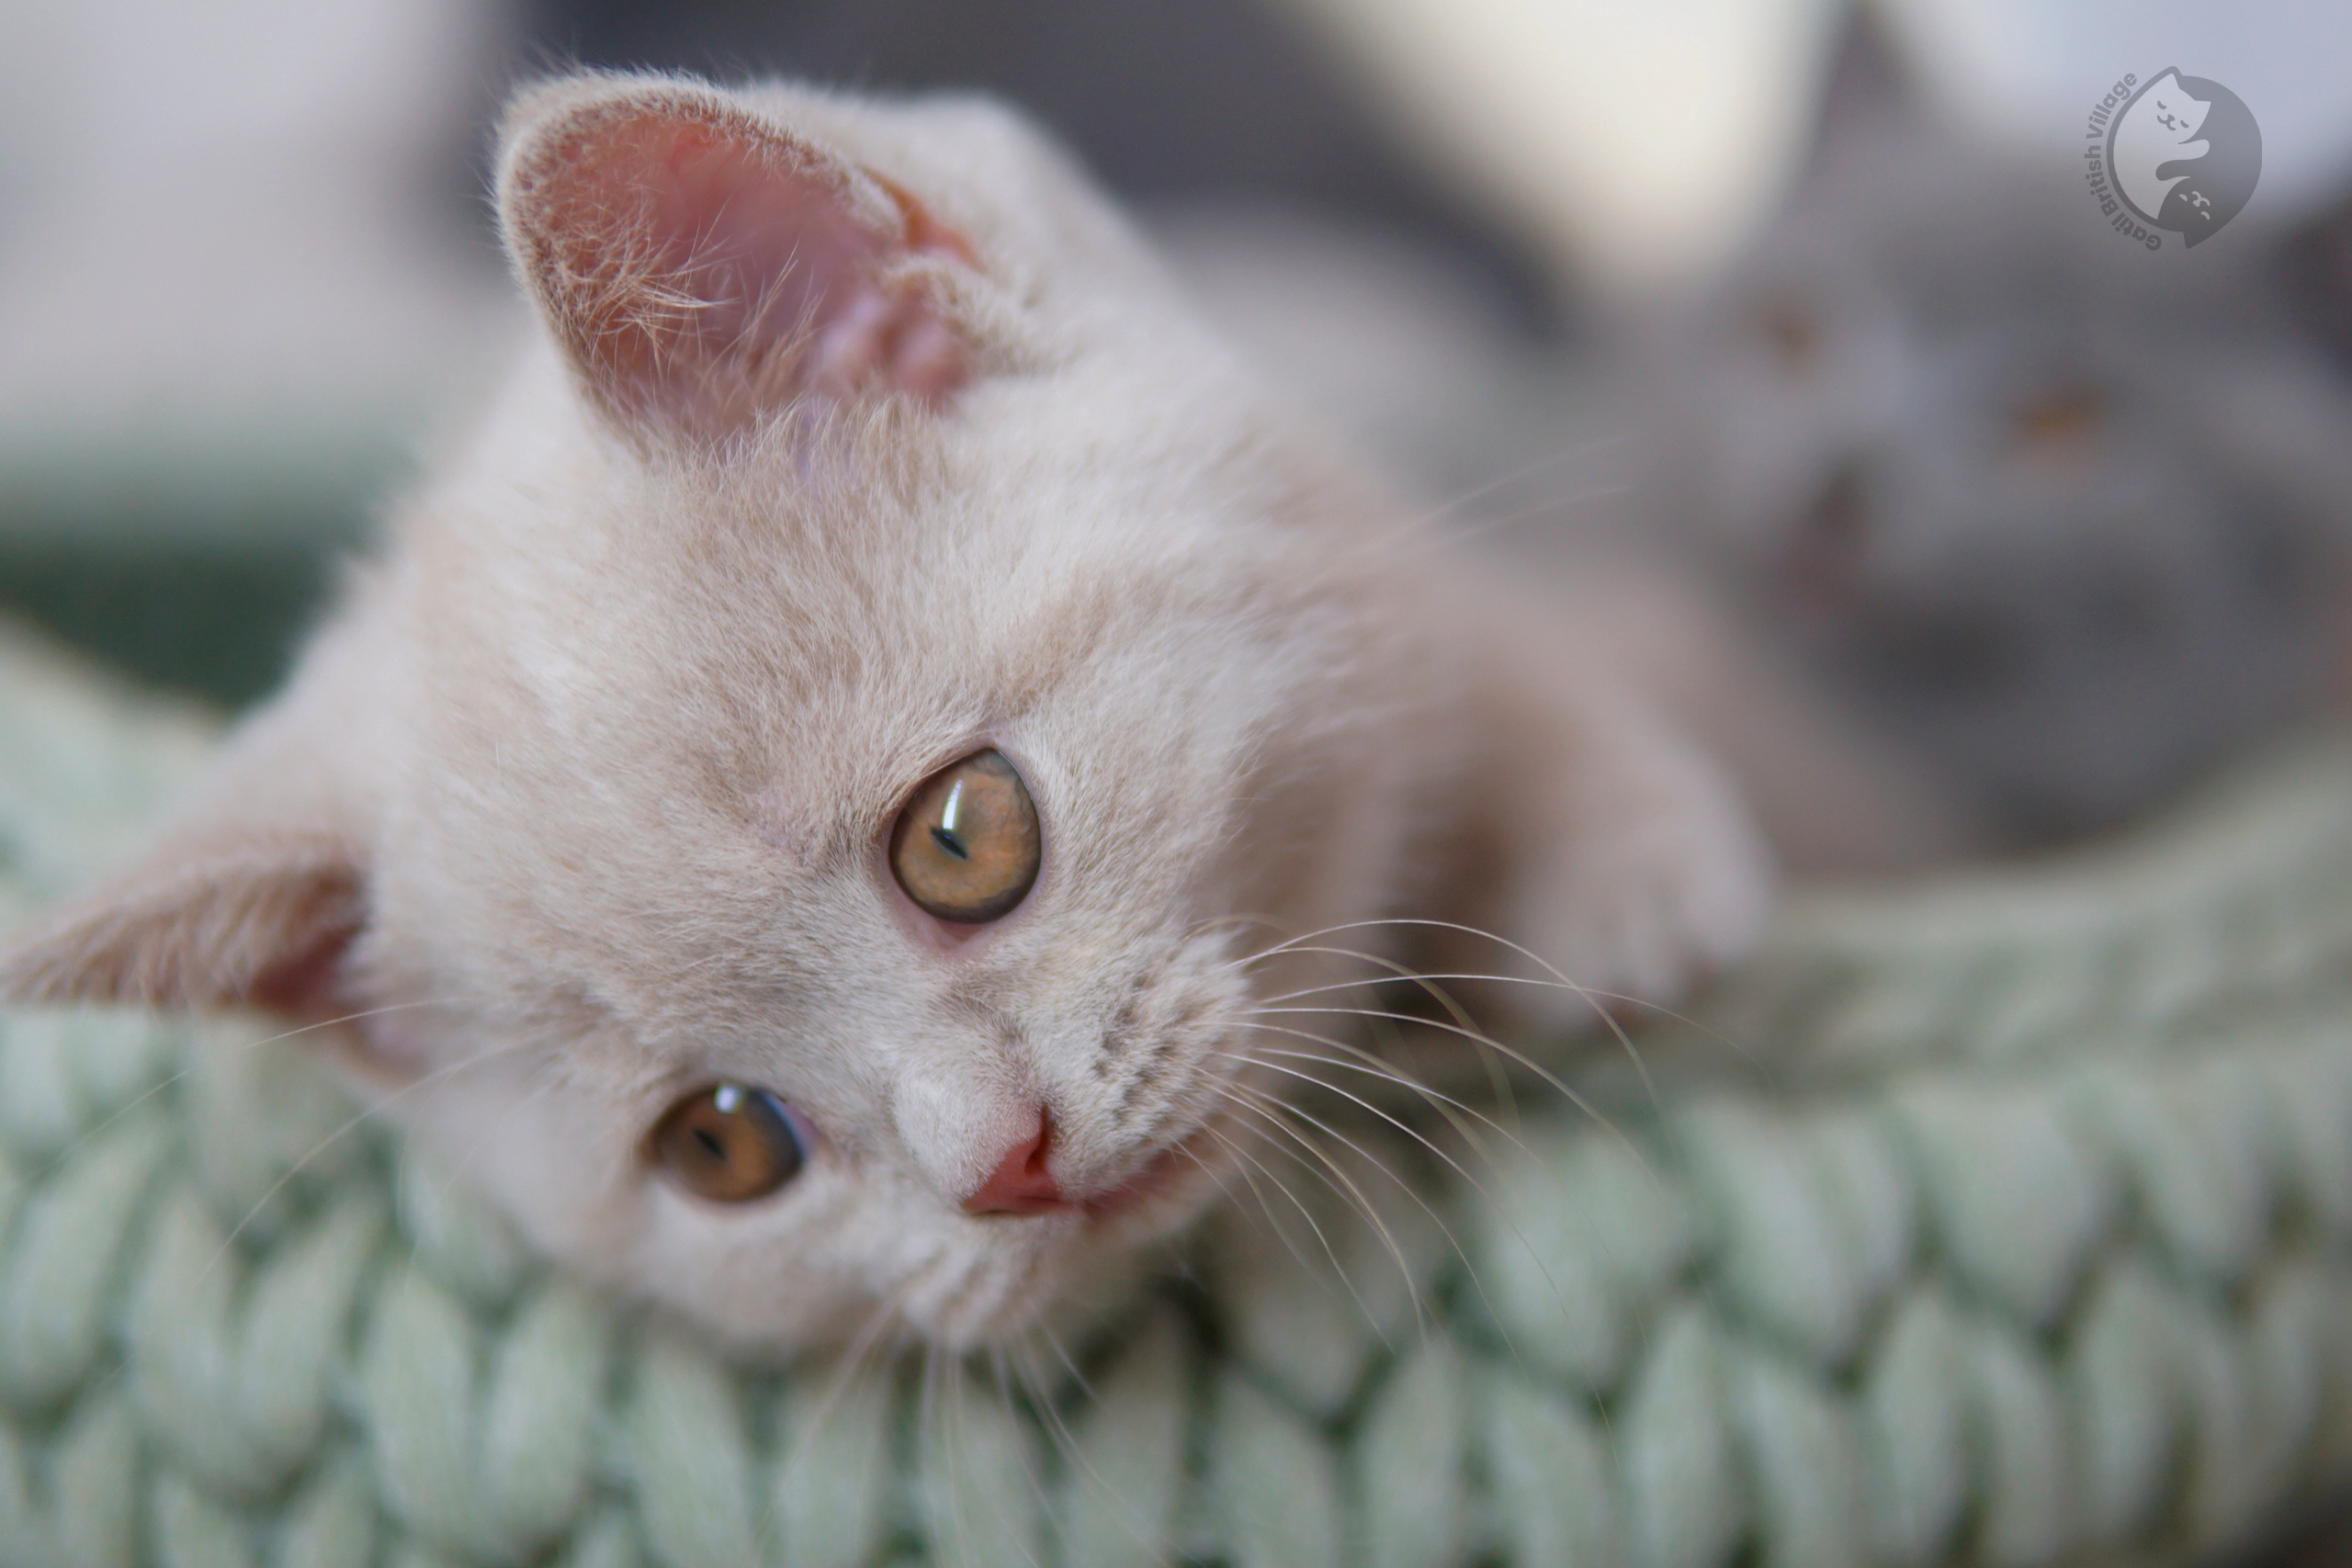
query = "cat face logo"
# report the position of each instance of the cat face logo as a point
(2183, 154)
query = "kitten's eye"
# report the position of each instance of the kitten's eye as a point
(966, 848)
(729, 1144)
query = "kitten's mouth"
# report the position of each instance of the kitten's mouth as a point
(1166, 1169)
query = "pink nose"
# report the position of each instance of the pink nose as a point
(1021, 1184)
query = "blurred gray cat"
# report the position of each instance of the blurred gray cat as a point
(2057, 522)
(1955, 524)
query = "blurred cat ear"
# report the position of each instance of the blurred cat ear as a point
(703, 268)
(1869, 90)
(249, 898)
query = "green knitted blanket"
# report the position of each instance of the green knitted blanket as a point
(2025, 1237)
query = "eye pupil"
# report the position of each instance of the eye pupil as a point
(729, 1144)
(966, 848)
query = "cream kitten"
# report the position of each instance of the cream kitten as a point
(807, 804)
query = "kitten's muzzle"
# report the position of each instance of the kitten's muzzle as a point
(1023, 1181)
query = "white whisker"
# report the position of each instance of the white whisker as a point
(1527, 471)
(1366, 1207)
(1359, 1060)
(1469, 1266)
(1592, 995)
(1402, 1126)
(1349, 1194)
(1011, 1406)
(1551, 1079)
(1283, 1187)
(872, 1334)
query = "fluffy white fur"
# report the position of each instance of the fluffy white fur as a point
(863, 434)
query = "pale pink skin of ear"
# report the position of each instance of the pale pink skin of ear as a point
(612, 734)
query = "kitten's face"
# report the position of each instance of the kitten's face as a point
(690, 769)
(2060, 515)
(826, 480)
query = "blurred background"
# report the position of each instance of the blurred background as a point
(1813, 293)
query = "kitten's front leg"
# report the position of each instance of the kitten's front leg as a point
(1598, 838)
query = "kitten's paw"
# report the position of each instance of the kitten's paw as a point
(1652, 874)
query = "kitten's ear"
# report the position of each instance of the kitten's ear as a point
(259, 923)
(704, 266)
(249, 898)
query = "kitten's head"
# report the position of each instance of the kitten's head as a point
(804, 794)
(2065, 519)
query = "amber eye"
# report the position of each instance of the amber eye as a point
(2060, 416)
(966, 848)
(729, 1144)
(1792, 332)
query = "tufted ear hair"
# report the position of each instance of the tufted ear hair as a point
(704, 266)
(249, 897)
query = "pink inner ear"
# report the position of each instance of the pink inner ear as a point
(307, 984)
(704, 266)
